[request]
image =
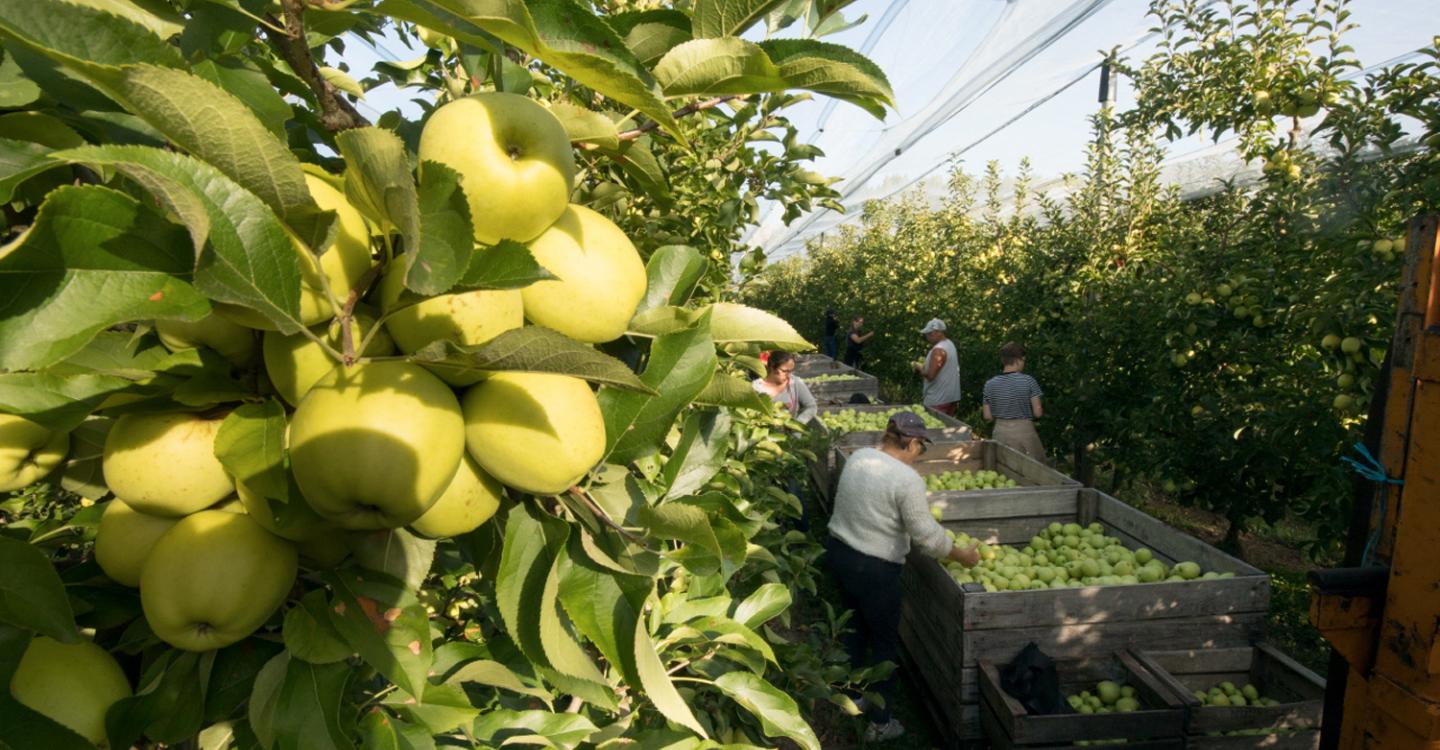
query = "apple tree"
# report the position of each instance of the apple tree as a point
(331, 433)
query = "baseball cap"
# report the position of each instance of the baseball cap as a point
(907, 424)
(935, 324)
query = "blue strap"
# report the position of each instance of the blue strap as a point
(1368, 467)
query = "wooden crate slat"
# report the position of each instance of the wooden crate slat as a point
(1075, 640)
(999, 741)
(1267, 669)
(1004, 504)
(1305, 739)
(1093, 604)
(1161, 717)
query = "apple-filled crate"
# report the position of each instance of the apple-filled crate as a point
(1243, 697)
(825, 469)
(836, 384)
(946, 626)
(1135, 708)
(986, 460)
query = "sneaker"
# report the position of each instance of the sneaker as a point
(884, 732)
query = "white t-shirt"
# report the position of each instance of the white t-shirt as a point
(945, 388)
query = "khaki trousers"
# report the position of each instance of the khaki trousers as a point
(1020, 434)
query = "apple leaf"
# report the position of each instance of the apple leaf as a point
(563, 731)
(60, 402)
(447, 239)
(605, 605)
(379, 180)
(84, 34)
(394, 552)
(728, 390)
(671, 275)
(508, 265)
(384, 623)
(309, 710)
(746, 645)
(248, 259)
(26, 727)
(532, 349)
(763, 604)
(443, 708)
(586, 125)
(718, 18)
(310, 635)
(251, 446)
(680, 365)
(168, 705)
(82, 474)
(563, 34)
(731, 323)
(700, 451)
(19, 161)
(31, 593)
(381, 731)
(833, 70)
(655, 681)
(126, 355)
(638, 161)
(16, 90)
(651, 33)
(232, 676)
(725, 65)
(94, 257)
(778, 713)
(244, 80)
(496, 675)
(265, 695)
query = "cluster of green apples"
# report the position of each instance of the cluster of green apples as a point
(1068, 556)
(1226, 694)
(850, 420)
(380, 444)
(1108, 697)
(832, 379)
(984, 479)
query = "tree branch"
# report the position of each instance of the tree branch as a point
(684, 111)
(336, 112)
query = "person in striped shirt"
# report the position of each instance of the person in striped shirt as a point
(1012, 402)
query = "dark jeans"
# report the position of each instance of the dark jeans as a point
(853, 357)
(870, 587)
(831, 346)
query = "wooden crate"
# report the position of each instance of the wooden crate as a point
(838, 393)
(947, 628)
(1160, 722)
(823, 470)
(1039, 485)
(1300, 691)
(807, 365)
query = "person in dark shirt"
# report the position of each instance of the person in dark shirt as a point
(831, 342)
(855, 342)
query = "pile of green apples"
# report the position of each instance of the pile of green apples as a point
(1068, 556)
(1108, 697)
(850, 420)
(984, 479)
(1226, 694)
(832, 379)
(372, 445)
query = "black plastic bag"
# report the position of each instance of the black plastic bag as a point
(1031, 679)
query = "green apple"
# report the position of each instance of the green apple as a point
(1108, 691)
(601, 278)
(343, 263)
(466, 318)
(471, 499)
(295, 362)
(233, 341)
(28, 451)
(214, 579)
(71, 683)
(125, 539)
(536, 432)
(514, 157)
(1343, 401)
(165, 464)
(294, 520)
(1187, 570)
(373, 446)
(1351, 345)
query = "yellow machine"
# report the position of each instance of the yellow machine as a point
(1382, 614)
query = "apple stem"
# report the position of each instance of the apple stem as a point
(347, 314)
(600, 513)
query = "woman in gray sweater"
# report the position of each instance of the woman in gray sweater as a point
(781, 384)
(881, 513)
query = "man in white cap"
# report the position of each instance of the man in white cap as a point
(940, 369)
